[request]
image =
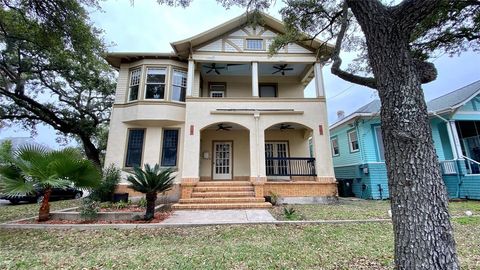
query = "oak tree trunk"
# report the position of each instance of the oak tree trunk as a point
(421, 222)
(44, 211)
(91, 151)
(151, 199)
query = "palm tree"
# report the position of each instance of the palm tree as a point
(34, 167)
(151, 181)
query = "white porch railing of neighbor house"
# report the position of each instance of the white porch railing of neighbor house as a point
(473, 166)
(449, 166)
(291, 166)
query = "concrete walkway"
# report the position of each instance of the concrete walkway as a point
(219, 216)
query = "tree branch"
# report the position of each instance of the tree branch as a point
(337, 61)
(409, 13)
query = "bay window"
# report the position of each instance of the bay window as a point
(155, 83)
(179, 85)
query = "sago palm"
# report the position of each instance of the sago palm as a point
(32, 167)
(151, 181)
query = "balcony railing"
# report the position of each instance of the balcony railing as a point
(292, 166)
(473, 166)
(449, 166)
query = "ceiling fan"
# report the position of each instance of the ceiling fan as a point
(223, 127)
(213, 67)
(282, 69)
(285, 126)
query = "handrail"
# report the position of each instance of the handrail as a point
(472, 160)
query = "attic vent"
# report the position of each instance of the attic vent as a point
(255, 44)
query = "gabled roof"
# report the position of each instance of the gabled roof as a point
(446, 103)
(183, 47)
(455, 99)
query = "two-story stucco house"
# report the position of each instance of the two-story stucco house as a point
(232, 118)
(358, 153)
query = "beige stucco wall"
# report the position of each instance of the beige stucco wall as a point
(241, 150)
(241, 86)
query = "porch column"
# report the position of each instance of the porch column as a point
(190, 77)
(254, 79)
(257, 151)
(454, 140)
(323, 153)
(190, 160)
(319, 86)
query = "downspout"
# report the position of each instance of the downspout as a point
(455, 154)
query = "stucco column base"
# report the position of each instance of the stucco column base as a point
(187, 185)
(258, 184)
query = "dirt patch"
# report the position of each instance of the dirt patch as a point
(159, 217)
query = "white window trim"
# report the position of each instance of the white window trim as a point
(173, 83)
(217, 92)
(130, 72)
(350, 141)
(338, 146)
(255, 50)
(378, 145)
(164, 83)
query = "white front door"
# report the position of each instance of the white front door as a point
(222, 160)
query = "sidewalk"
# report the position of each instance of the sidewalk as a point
(219, 216)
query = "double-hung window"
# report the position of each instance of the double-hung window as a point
(134, 147)
(353, 141)
(179, 85)
(170, 147)
(155, 83)
(134, 85)
(335, 148)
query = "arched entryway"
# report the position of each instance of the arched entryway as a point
(289, 153)
(224, 152)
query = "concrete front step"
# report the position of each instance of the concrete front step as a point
(222, 200)
(222, 188)
(198, 206)
(223, 183)
(223, 194)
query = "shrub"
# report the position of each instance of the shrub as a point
(89, 209)
(110, 180)
(273, 198)
(142, 202)
(290, 213)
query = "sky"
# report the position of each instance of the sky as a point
(146, 26)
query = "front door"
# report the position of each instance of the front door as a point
(277, 168)
(222, 160)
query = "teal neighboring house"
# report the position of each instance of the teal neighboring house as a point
(358, 153)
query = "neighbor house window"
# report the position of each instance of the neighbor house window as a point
(267, 90)
(335, 149)
(217, 90)
(169, 149)
(179, 85)
(134, 147)
(134, 84)
(255, 44)
(155, 83)
(353, 141)
(381, 149)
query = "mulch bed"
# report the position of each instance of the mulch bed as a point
(159, 217)
(131, 208)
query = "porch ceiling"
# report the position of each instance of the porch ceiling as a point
(240, 69)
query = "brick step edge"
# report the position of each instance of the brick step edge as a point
(221, 206)
(222, 200)
(222, 188)
(223, 183)
(223, 194)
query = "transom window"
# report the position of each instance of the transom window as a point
(169, 149)
(155, 83)
(217, 94)
(335, 148)
(134, 84)
(217, 90)
(255, 44)
(179, 85)
(353, 141)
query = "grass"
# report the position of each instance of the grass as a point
(10, 212)
(361, 209)
(328, 246)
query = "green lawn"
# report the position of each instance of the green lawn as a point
(328, 246)
(361, 209)
(11, 212)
